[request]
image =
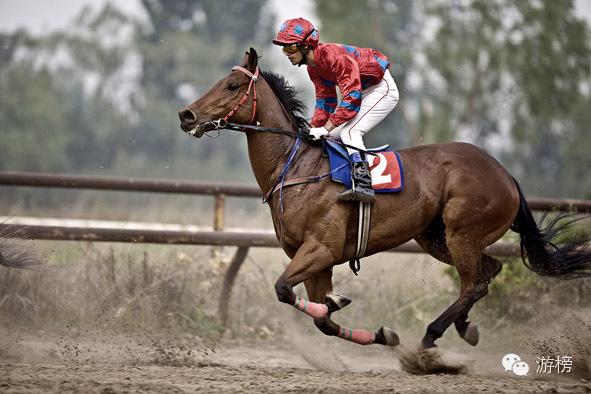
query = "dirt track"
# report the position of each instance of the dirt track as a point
(167, 365)
(289, 357)
(59, 378)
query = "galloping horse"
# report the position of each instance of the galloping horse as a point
(457, 201)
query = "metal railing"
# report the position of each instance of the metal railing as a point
(113, 183)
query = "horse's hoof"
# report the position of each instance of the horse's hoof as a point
(471, 335)
(388, 337)
(336, 302)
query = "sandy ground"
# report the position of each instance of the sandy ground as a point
(94, 363)
(295, 359)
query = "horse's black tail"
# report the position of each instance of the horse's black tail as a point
(13, 257)
(549, 251)
(14, 254)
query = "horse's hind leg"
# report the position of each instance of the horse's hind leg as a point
(467, 330)
(467, 259)
(434, 243)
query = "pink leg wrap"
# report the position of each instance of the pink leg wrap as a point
(311, 308)
(360, 336)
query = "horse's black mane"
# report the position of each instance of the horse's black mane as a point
(287, 94)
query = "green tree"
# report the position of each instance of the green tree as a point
(66, 86)
(500, 61)
(511, 77)
(186, 46)
(515, 69)
(574, 179)
(32, 120)
(105, 92)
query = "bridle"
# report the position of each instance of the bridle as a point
(251, 86)
(223, 123)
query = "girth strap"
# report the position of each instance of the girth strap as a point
(362, 236)
(292, 182)
(299, 181)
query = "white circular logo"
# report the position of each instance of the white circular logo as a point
(520, 368)
(512, 362)
(508, 361)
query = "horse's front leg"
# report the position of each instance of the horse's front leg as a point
(312, 264)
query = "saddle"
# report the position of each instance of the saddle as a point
(385, 166)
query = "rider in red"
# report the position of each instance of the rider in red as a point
(368, 93)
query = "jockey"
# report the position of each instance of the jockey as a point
(368, 93)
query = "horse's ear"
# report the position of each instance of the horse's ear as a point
(244, 62)
(251, 60)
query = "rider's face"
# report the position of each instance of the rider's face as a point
(295, 58)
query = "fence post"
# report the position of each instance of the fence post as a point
(229, 278)
(219, 202)
(219, 213)
(235, 264)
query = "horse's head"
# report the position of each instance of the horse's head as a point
(231, 98)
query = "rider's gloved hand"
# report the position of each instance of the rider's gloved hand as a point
(318, 132)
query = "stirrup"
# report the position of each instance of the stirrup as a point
(357, 194)
(361, 182)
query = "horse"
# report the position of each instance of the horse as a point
(457, 201)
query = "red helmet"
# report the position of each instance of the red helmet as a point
(297, 31)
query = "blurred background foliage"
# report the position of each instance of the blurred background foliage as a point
(102, 95)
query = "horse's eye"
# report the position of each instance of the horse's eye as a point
(232, 86)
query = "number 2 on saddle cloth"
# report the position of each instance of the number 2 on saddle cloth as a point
(387, 175)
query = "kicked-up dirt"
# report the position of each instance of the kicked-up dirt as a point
(148, 363)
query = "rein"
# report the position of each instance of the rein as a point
(247, 127)
(221, 124)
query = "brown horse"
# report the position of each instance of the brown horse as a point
(457, 201)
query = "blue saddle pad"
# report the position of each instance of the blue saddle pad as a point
(385, 167)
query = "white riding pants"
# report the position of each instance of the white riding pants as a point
(377, 102)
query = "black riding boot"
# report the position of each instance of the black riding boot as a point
(361, 190)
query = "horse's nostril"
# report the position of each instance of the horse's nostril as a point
(187, 115)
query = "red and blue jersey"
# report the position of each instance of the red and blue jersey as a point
(350, 68)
